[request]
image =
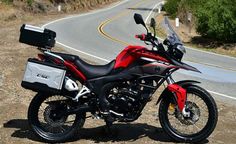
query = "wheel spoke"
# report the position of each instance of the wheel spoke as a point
(199, 109)
(196, 126)
(62, 129)
(54, 125)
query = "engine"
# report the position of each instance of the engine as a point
(129, 98)
(124, 101)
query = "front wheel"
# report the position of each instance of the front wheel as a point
(201, 123)
(45, 116)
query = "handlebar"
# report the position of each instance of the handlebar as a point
(156, 45)
(148, 38)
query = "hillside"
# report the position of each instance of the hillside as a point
(21, 9)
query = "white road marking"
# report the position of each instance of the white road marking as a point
(105, 60)
(223, 95)
(85, 14)
(152, 11)
(102, 59)
(211, 53)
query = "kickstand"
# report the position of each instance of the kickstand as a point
(108, 127)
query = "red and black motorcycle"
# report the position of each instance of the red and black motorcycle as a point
(68, 88)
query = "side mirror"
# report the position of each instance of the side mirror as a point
(139, 19)
(153, 23)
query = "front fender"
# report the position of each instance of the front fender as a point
(177, 92)
(186, 83)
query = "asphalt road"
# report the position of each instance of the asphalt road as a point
(101, 35)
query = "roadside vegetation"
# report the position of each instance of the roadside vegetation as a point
(213, 20)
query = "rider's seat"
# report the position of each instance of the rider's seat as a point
(90, 71)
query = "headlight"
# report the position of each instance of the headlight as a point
(177, 51)
(181, 48)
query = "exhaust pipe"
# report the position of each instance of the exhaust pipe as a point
(80, 110)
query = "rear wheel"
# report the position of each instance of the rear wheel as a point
(45, 116)
(202, 120)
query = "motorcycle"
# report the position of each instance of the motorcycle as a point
(67, 87)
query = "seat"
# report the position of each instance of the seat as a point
(90, 71)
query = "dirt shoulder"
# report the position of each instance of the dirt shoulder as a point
(191, 38)
(14, 101)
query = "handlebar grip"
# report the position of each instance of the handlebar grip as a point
(141, 37)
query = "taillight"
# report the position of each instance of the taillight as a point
(41, 56)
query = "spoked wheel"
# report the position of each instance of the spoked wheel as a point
(201, 122)
(45, 116)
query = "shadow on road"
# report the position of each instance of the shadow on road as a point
(23, 129)
(120, 132)
(124, 132)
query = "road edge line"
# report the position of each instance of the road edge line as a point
(152, 11)
(102, 59)
(85, 14)
(223, 95)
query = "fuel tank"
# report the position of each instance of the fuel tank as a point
(132, 53)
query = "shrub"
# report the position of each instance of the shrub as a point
(216, 19)
(186, 6)
(171, 7)
(7, 1)
(30, 2)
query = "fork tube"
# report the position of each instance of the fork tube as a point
(170, 80)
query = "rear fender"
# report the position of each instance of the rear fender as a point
(177, 92)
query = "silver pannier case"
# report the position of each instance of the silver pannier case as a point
(42, 76)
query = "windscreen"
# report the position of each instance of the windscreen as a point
(171, 35)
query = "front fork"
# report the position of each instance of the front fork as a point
(180, 94)
(170, 80)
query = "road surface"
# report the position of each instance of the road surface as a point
(101, 35)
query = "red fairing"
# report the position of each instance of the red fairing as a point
(132, 53)
(127, 56)
(75, 70)
(180, 93)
